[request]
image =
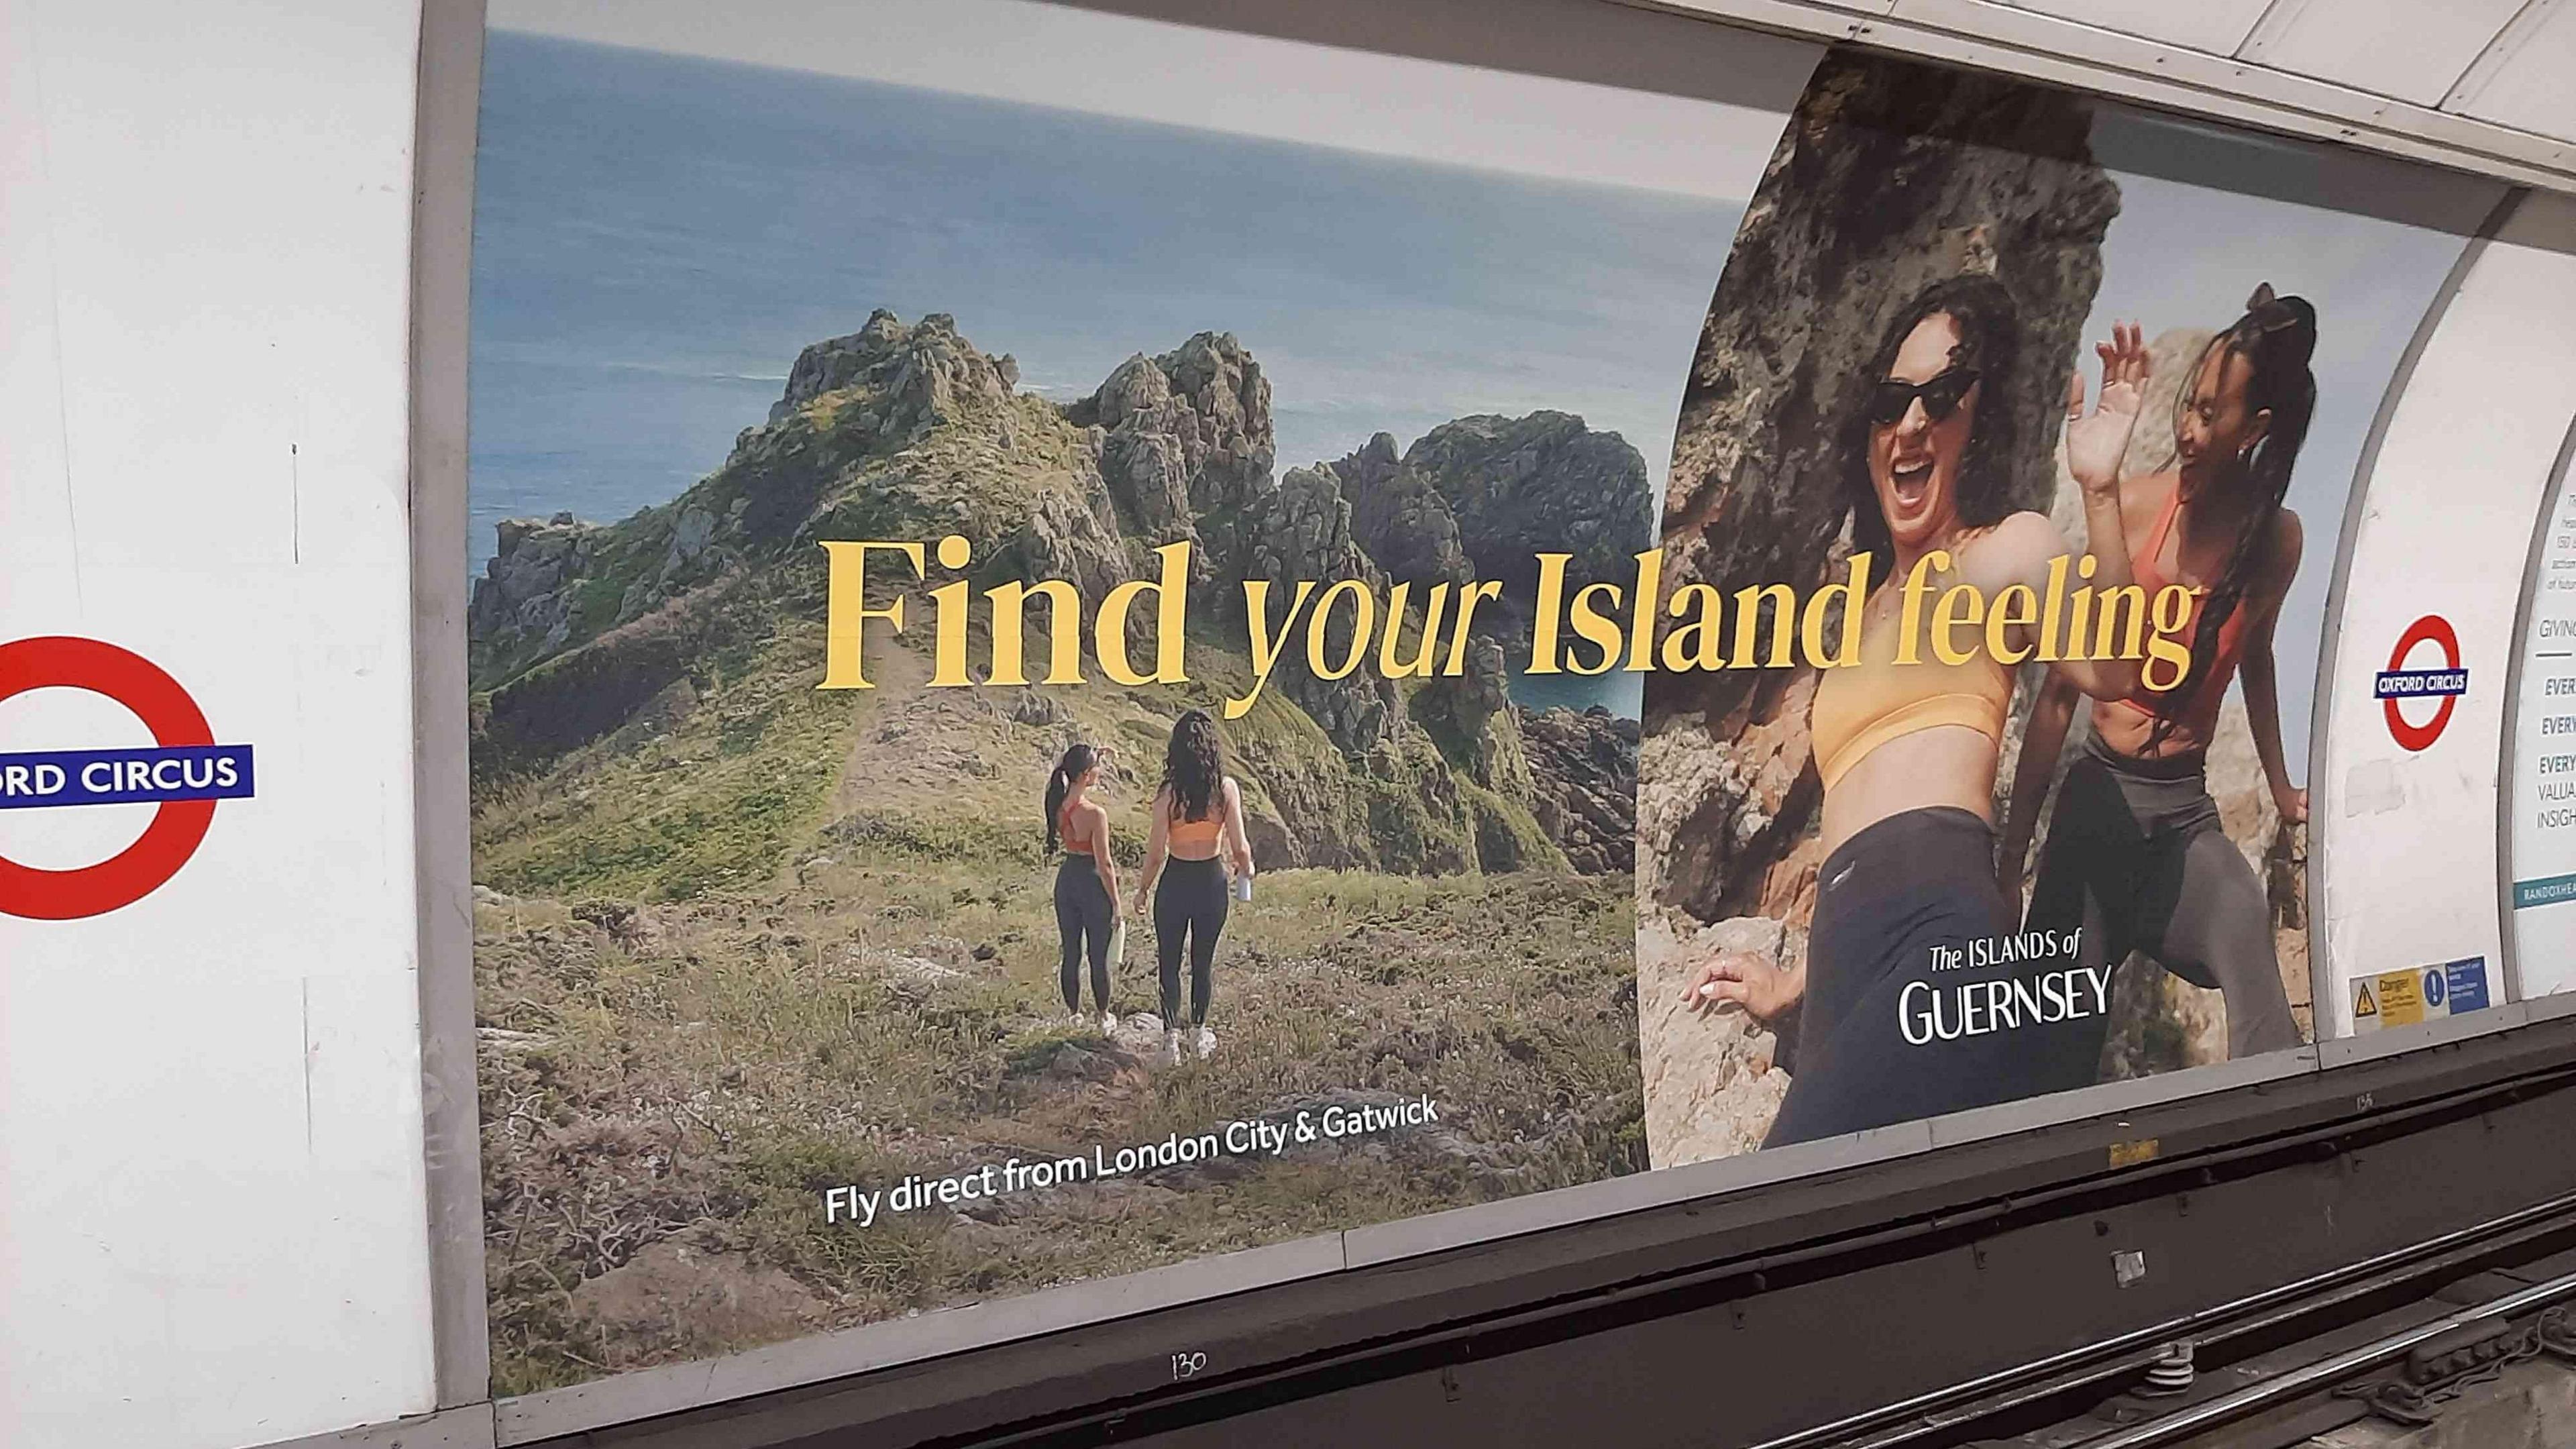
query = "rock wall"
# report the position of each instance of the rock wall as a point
(1583, 768)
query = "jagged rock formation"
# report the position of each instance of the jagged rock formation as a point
(1302, 530)
(1400, 516)
(1891, 176)
(581, 632)
(1182, 437)
(1520, 487)
(1481, 497)
(1585, 766)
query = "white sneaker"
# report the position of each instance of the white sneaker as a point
(1171, 1047)
(1203, 1041)
(1109, 1023)
(1077, 1020)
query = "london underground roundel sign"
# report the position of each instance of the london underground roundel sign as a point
(183, 771)
(2406, 679)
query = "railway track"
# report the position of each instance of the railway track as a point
(2455, 1341)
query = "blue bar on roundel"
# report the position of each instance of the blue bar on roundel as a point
(2420, 683)
(149, 774)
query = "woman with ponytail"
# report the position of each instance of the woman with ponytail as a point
(2135, 853)
(1086, 883)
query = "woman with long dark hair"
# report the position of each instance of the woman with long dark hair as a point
(1197, 831)
(1907, 752)
(1086, 883)
(2135, 852)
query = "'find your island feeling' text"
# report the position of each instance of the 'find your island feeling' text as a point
(1613, 627)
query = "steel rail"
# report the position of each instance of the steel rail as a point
(2237, 1403)
(2185, 1325)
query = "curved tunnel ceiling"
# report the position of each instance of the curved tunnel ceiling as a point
(2488, 85)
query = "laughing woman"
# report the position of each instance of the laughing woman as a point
(1908, 753)
(2135, 853)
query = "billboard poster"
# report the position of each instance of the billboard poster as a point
(1975, 327)
(1081, 666)
(2542, 765)
(1017, 737)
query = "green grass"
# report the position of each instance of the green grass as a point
(704, 1070)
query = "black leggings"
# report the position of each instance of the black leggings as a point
(1084, 915)
(2136, 856)
(1189, 899)
(1888, 1032)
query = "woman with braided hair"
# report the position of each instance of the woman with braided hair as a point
(2135, 854)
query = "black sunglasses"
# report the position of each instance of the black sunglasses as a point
(1889, 400)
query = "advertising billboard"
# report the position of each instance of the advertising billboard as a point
(1111, 662)
(2542, 803)
(1927, 893)
(1031, 714)
(1081, 667)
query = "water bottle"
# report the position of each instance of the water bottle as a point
(1117, 942)
(1243, 886)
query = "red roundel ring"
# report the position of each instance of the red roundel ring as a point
(2435, 629)
(177, 826)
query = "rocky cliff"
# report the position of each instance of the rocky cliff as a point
(581, 633)
(1483, 496)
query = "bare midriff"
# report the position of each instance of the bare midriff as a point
(1943, 765)
(2126, 731)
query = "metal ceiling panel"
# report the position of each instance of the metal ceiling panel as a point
(2532, 86)
(2078, 47)
(2215, 26)
(2403, 48)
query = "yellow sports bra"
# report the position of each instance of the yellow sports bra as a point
(1862, 706)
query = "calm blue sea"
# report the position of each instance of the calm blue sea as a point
(656, 236)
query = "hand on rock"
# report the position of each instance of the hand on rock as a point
(1742, 979)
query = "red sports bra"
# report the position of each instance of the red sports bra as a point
(2198, 715)
(1064, 831)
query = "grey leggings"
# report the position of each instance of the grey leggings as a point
(2136, 856)
(1084, 918)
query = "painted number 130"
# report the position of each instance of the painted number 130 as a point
(1187, 1365)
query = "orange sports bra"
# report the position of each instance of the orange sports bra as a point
(1064, 832)
(1199, 833)
(2198, 715)
(1862, 706)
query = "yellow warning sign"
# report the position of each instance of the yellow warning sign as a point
(2362, 1005)
(2401, 998)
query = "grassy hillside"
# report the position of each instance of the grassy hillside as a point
(740, 940)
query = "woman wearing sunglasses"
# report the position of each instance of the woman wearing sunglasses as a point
(2135, 851)
(1907, 753)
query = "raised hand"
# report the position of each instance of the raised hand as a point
(2096, 443)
